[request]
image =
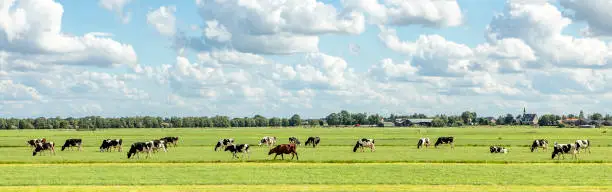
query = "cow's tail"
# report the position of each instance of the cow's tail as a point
(356, 146)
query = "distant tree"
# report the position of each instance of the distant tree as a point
(509, 119)
(346, 118)
(437, 122)
(596, 116)
(360, 118)
(295, 120)
(467, 117)
(285, 122)
(374, 119)
(275, 122)
(333, 119)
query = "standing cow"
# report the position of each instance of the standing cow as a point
(361, 143)
(445, 140)
(498, 149)
(583, 144)
(109, 144)
(224, 143)
(268, 140)
(170, 140)
(140, 147)
(33, 142)
(294, 140)
(73, 143)
(157, 144)
(313, 140)
(240, 148)
(539, 143)
(562, 149)
(423, 141)
(40, 147)
(284, 149)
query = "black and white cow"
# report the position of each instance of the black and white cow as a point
(313, 140)
(361, 143)
(268, 140)
(562, 149)
(170, 140)
(73, 143)
(140, 147)
(224, 143)
(294, 140)
(423, 141)
(240, 148)
(539, 143)
(445, 140)
(109, 144)
(583, 144)
(157, 144)
(33, 142)
(40, 147)
(498, 149)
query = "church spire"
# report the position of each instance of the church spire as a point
(524, 111)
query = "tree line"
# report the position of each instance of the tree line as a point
(342, 118)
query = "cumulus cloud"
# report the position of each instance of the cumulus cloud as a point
(430, 13)
(117, 7)
(163, 20)
(596, 13)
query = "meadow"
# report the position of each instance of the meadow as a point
(396, 165)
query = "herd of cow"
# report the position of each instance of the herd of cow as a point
(148, 147)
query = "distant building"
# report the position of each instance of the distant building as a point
(413, 122)
(491, 119)
(528, 118)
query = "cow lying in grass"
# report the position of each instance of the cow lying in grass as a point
(73, 143)
(539, 143)
(241, 148)
(41, 147)
(224, 143)
(423, 141)
(498, 149)
(365, 143)
(284, 149)
(314, 141)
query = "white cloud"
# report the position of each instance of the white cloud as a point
(596, 13)
(163, 20)
(31, 30)
(11, 91)
(117, 7)
(431, 13)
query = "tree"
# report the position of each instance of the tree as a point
(285, 122)
(374, 119)
(295, 120)
(509, 119)
(275, 122)
(467, 117)
(437, 122)
(360, 118)
(346, 118)
(221, 121)
(596, 116)
(333, 119)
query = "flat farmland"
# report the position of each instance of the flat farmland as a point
(396, 165)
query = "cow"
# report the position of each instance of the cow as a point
(423, 141)
(73, 143)
(268, 140)
(33, 142)
(313, 140)
(445, 140)
(361, 143)
(583, 144)
(170, 140)
(109, 144)
(157, 144)
(498, 149)
(40, 147)
(539, 143)
(240, 148)
(140, 147)
(294, 140)
(284, 149)
(224, 143)
(562, 149)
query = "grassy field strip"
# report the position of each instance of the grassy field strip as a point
(303, 174)
(259, 188)
(284, 163)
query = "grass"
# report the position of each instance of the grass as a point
(311, 173)
(320, 188)
(395, 166)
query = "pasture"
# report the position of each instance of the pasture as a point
(332, 166)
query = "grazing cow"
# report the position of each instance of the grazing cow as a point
(423, 141)
(224, 143)
(268, 140)
(284, 149)
(109, 144)
(539, 143)
(365, 143)
(583, 144)
(240, 148)
(40, 147)
(158, 144)
(294, 140)
(140, 147)
(498, 149)
(562, 149)
(33, 142)
(73, 143)
(445, 140)
(313, 140)
(170, 140)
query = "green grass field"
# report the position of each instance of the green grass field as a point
(396, 165)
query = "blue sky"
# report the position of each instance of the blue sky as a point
(277, 58)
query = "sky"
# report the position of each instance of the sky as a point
(240, 58)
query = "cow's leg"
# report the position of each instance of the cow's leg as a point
(282, 156)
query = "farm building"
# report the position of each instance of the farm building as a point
(528, 118)
(412, 122)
